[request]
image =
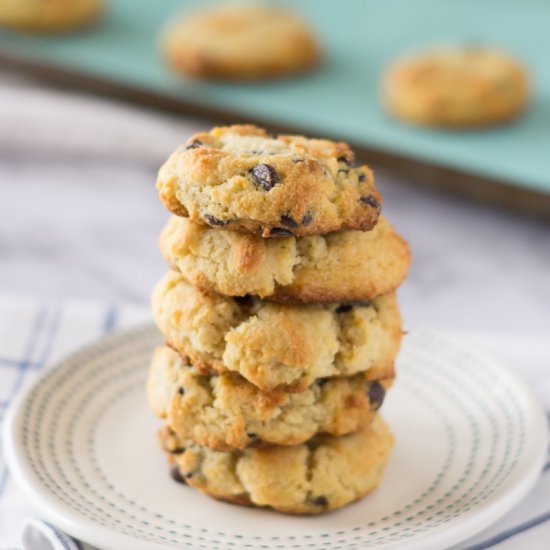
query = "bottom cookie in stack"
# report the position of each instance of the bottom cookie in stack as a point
(322, 474)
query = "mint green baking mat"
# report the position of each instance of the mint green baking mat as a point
(339, 99)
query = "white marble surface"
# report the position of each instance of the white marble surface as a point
(79, 218)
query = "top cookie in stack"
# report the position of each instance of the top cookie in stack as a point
(241, 178)
(282, 318)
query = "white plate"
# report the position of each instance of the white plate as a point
(471, 440)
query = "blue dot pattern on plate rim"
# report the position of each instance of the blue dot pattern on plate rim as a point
(125, 357)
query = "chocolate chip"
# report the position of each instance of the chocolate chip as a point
(320, 501)
(361, 177)
(376, 395)
(194, 144)
(289, 221)
(370, 200)
(175, 474)
(265, 175)
(213, 220)
(344, 160)
(187, 475)
(348, 306)
(181, 391)
(254, 440)
(177, 451)
(307, 219)
(280, 232)
(244, 301)
(322, 381)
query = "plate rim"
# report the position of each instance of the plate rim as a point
(81, 527)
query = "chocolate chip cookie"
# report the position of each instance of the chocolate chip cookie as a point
(277, 346)
(240, 42)
(342, 266)
(458, 86)
(49, 15)
(323, 474)
(225, 411)
(241, 178)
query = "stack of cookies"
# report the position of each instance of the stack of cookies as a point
(280, 318)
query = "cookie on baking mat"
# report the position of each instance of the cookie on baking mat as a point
(49, 15)
(240, 42)
(460, 86)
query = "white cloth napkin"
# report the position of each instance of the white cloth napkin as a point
(33, 333)
(40, 535)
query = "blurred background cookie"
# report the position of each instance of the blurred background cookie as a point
(49, 15)
(240, 42)
(457, 86)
